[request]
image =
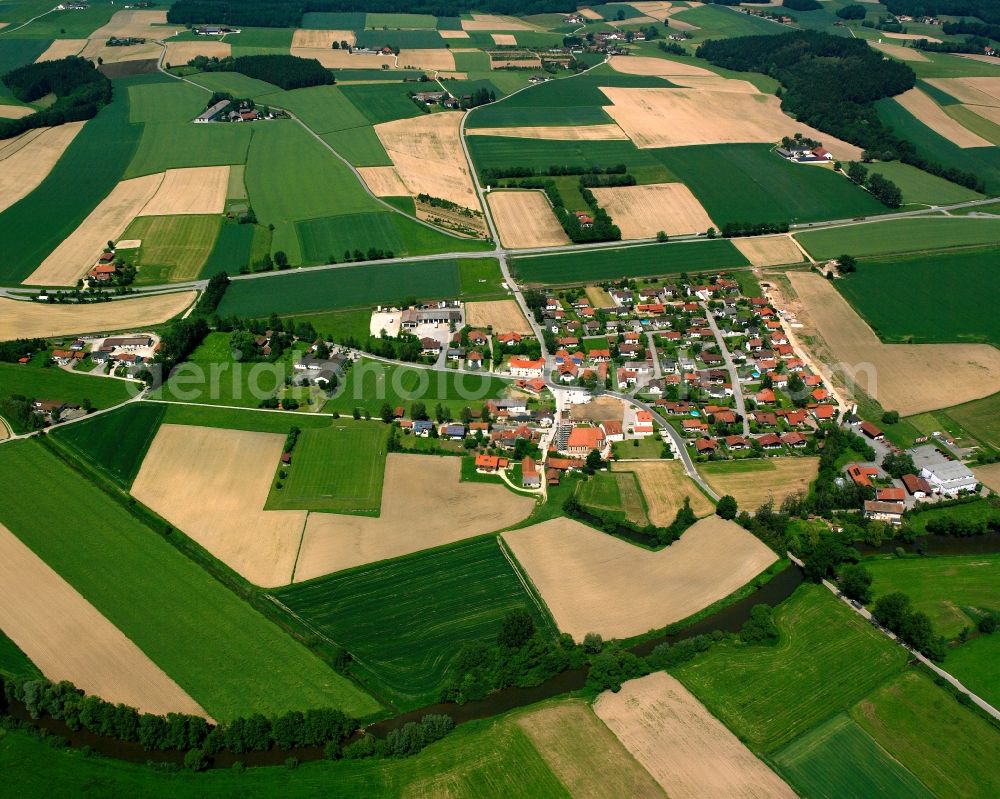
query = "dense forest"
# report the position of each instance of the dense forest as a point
(79, 88)
(286, 71)
(832, 83)
(991, 31)
(279, 14)
(986, 10)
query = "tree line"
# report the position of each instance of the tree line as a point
(555, 170)
(986, 10)
(81, 91)
(883, 189)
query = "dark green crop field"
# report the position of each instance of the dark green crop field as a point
(640, 261)
(406, 619)
(231, 252)
(13, 662)
(749, 183)
(382, 102)
(115, 443)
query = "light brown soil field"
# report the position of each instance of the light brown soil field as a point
(593, 582)
(556, 132)
(97, 48)
(15, 111)
(768, 250)
(128, 244)
(601, 409)
(642, 211)
(505, 39)
(344, 59)
(904, 377)
(61, 48)
(195, 190)
(989, 475)
(665, 486)
(589, 13)
(453, 34)
(525, 219)
(38, 320)
(992, 113)
(934, 117)
(657, 10)
(79, 251)
(778, 478)
(321, 39)
(676, 117)
(716, 83)
(688, 751)
(972, 91)
(69, 639)
(426, 507)
(433, 59)
(427, 152)
(181, 52)
(383, 181)
(650, 66)
(900, 52)
(599, 298)
(493, 22)
(136, 24)
(504, 316)
(4, 430)
(518, 63)
(908, 36)
(26, 161)
(584, 754)
(450, 75)
(212, 483)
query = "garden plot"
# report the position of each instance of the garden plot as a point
(69, 639)
(212, 484)
(904, 377)
(934, 117)
(665, 485)
(383, 181)
(38, 320)
(79, 251)
(27, 160)
(688, 751)
(179, 53)
(504, 316)
(769, 250)
(426, 507)
(594, 582)
(642, 211)
(196, 190)
(609, 132)
(321, 39)
(525, 219)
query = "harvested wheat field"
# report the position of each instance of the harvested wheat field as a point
(504, 316)
(972, 91)
(525, 219)
(27, 160)
(195, 190)
(38, 320)
(908, 36)
(427, 507)
(427, 153)
(321, 39)
(505, 39)
(989, 475)
(135, 24)
(688, 751)
(934, 117)
(769, 250)
(599, 409)
(609, 132)
(666, 485)
(589, 13)
(181, 52)
(79, 251)
(584, 754)
(715, 83)
(494, 22)
(15, 111)
(657, 10)
(5, 431)
(676, 117)
(62, 48)
(642, 211)
(650, 66)
(593, 582)
(383, 181)
(212, 483)
(98, 48)
(899, 51)
(69, 639)
(753, 482)
(453, 34)
(344, 59)
(905, 377)
(433, 59)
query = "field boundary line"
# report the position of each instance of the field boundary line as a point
(302, 537)
(528, 586)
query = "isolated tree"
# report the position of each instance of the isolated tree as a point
(892, 610)
(418, 411)
(727, 507)
(281, 259)
(357, 413)
(890, 417)
(847, 264)
(856, 582)
(594, 461)
(386, 413)
(593, 643)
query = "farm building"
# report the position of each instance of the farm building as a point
(891, 512)
(948, 477)
(530, 477)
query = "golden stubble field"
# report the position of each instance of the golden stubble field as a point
(769, 250)
(688, 751)
(609, 132)
(26, 161)
(770, 478)
(593, 582)
(525, 219)
(504, 316)
(934, 117)
(643, 211)
(69, 639)
(665, 485)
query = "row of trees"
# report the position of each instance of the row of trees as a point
(732, 230)
(884, 190)
(492, 174)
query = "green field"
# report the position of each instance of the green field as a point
(926, 298)
(976, 664)
(749, 183)
(52, 384)
(369, 384)
(474, 61)
(967, 511)
(222, 652)
(981, 418)
(617, 492)
(717, 22)
(382, 102)
(402, 39)
(252, 420)
(827, 659)
(64, 24)
(173, 247)
(235, 83)
(337, 469)
(922, 187)
(270, 38)
(900, 236)
(640, 261)
(171, 101)
(942, 586)
(231, 251)
(346, 287)
(334, 21)
(115, 443)
(322, 108)
(173, 145)
(405, 620)
(15, 53)
(411, 21)
(839, 760)
(948, 747)
(13, 662)
(482, 759)
(360, 146)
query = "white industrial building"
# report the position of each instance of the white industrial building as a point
(949, 477)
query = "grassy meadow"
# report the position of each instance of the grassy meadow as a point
(900, 236)
(228, 657)
(251, 420)
(976, 664)
(615, 492)
(173, 247)
(405, 620)
(981, 418)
